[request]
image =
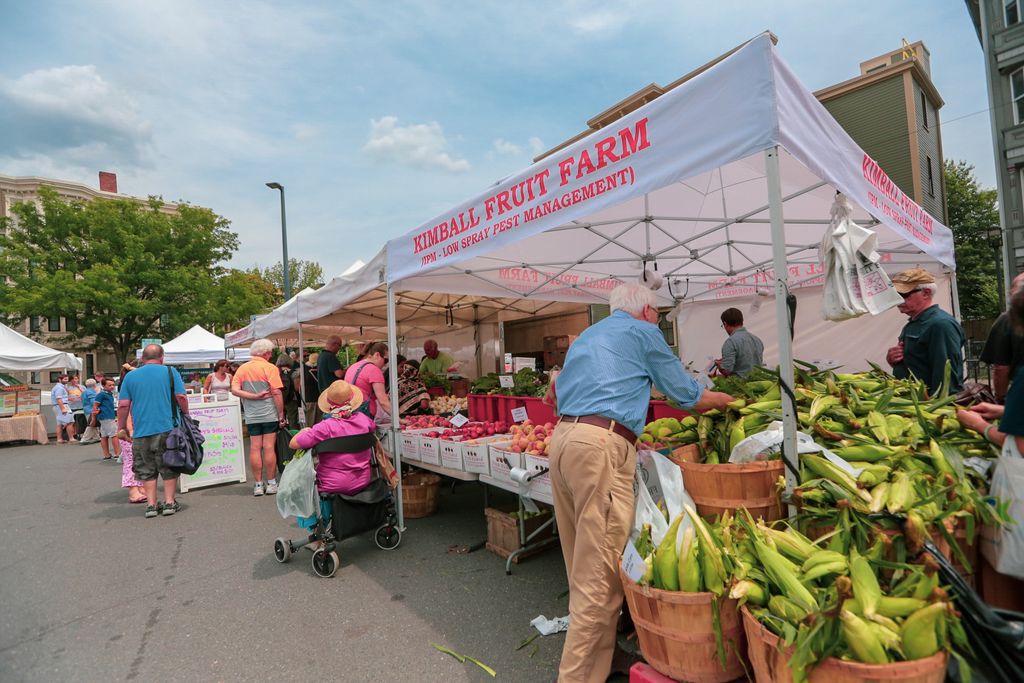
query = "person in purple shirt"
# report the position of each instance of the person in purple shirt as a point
(344, 473)
(603, 393)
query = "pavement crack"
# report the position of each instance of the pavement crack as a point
(140, 655)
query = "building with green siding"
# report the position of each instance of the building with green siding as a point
(892, 111)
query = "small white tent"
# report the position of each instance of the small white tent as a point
(18, 352)
(198, 345)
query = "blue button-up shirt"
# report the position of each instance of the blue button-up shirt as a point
(610, 368)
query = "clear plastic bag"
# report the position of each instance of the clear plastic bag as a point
(1004, 547)
(296, 492)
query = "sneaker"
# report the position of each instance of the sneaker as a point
(272, 487)
(170, 508)
(152, 510)
(257, 490)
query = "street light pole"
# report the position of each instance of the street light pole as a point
(284, 243)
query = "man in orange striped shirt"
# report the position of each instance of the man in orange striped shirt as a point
(258, 384)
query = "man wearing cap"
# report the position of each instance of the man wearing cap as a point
(930, 338)
(603, 395)
(1004, 348)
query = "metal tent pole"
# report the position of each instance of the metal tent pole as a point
(302, 381)
(771, 160)
(393, 384)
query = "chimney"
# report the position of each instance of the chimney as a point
(108, 182)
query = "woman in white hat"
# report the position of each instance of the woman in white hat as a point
(344, 473)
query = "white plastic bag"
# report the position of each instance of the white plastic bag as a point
(296, 492)
(855, 283)
(1004, 547)
(763, 445)
(659, 480)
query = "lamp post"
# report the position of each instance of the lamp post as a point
(995, 239)
(284, 242)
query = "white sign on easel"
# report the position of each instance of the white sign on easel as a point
(223, 451)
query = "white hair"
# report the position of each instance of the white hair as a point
(90, 382)
(260, 347)
(631, 297)
(929, 287)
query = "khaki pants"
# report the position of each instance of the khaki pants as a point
(311, 411)
(592, 471)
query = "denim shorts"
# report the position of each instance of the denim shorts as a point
(148, 457)
(261, 428)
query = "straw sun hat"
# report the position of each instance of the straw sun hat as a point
(340, 394)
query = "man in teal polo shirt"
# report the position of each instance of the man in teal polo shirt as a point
(931, 338)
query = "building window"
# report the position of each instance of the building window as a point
(924, 110)
(1011, 10)
(70, 324)
(34, 379)
(931, 178)
(90, 364)
(1017, 93)
(53, 323)
(33, 323)
(55, 376)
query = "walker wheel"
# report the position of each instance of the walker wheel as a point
(282, 550)
(325, 563)
(387, 537)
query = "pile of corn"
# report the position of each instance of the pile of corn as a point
(832, 601)
(824, 598)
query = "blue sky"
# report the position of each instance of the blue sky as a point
(378, 116)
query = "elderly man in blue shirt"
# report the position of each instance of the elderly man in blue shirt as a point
(603, 393)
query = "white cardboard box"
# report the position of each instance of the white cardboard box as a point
(410, 440)
(430, 450)
(499, 470)
(451, 454)
(542, 484)
(475, 454)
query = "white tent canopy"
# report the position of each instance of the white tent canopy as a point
(680, 184)
(18, 352)
(198, 345)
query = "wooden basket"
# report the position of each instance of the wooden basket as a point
(718, 488)
(771, 663)
(503, 532)
(419, 494)
(677, 636)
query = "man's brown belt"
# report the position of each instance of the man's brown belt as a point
(604, 423)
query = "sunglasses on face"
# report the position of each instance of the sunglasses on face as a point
(907, 295)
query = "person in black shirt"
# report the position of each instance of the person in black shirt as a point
(312, 389)
(1004, 349)
(328, 368)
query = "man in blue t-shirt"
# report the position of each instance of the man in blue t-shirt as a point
(146, 394)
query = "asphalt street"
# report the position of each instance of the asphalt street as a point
(90, 590)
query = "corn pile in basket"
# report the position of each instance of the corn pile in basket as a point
(825, 598)
(905, 449)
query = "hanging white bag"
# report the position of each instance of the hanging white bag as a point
(855, 283)
(1003, 547)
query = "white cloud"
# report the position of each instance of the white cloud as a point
(74, 110)
(421, 144)
(502, 146)
(596, 22)
(536, 145)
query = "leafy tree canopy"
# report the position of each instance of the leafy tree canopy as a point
(973, 211)
(301, 274)
(118, 267)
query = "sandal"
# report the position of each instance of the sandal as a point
(133, 501)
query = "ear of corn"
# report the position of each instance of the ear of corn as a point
(919, 632)
(666, 559)
(862, 641)
(865, 584)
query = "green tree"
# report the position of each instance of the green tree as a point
(301, 274)
(972, 213)
(116, 266)
(236, 296)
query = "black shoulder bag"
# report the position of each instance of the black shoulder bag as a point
(183, 452)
